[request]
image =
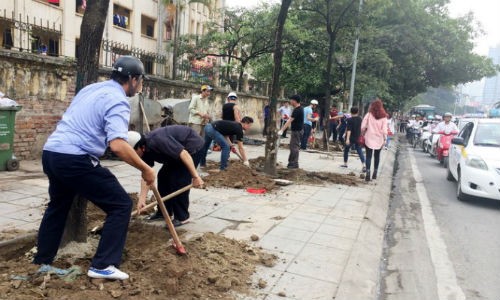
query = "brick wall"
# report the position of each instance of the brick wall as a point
(45, 85)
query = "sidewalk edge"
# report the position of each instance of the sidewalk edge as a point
(360, 279)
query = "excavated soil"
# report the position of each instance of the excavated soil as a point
(239, 176)
(214, 268)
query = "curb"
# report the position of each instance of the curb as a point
(360, 279)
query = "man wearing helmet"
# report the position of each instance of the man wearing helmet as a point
(446, 126)
(97, 117)
(179, 149)
(198, 110)
(308, 119)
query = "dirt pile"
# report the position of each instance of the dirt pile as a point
(215, 268)
(240, 177)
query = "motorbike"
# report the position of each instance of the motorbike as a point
(424, 137)
(443, 147)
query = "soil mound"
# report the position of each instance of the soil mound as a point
(215, 268)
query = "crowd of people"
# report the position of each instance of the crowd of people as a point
(98, 118)
(347, 129)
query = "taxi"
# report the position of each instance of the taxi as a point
(474, 160)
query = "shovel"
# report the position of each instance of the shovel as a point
(98, 228)
(177, 242)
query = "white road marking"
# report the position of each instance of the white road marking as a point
(447, 285)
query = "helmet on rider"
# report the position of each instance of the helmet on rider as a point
(128, 66)
(447, 114)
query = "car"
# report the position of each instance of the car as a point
(474, 160)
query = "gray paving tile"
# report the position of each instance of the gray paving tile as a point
(235, 211)
(290, 233)
(301, 224)
(332, 241)
(312, 217)
(300, 287)
(338, 231)
(30, 201)
(9, 210)
(208, 224)
(7, 196)
(316, 210)
(342, 222)
(271, 276)
(28, 215)
(281, 244)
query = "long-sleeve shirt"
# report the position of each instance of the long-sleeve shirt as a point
(197, 106)
(447, 128)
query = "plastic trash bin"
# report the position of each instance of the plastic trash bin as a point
(7, 123)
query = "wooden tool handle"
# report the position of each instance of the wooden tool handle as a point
(171, 228)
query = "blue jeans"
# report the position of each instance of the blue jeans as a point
(358, 148)
(213, 135)
(305, 136)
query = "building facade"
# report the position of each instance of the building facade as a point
(491, 90)
(143, 28)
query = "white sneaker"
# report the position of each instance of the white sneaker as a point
(111, 272)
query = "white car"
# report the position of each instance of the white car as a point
(474, 160)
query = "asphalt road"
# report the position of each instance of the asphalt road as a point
(438, 247)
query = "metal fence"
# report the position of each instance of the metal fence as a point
(29, 34)
(154, 63)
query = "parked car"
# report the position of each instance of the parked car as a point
(474, 160)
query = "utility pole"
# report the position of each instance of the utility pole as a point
(355, 58)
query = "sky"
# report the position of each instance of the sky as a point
(487, 12)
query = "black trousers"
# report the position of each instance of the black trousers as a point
(71, 175)
(173, 176)
(376, 154)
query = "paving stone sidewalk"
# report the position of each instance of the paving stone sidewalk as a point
(328, 237)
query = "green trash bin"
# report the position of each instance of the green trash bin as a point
(7, 123)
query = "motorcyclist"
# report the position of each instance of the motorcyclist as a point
(446, 126)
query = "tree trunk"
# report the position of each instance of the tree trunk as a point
(272, 137)
(87, 72)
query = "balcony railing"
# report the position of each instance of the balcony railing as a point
(29, 34)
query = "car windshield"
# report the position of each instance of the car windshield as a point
(487, 135)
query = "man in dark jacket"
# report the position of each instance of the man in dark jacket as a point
(179, 148)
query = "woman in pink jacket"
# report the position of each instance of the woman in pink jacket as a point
(374, 127)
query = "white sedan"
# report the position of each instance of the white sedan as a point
(474, 160)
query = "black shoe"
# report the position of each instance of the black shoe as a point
(178, 223)
(374, 176)
(367, 176)
(292, 167)
(154, 217)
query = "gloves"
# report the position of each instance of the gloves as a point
(246, 163)
(280, 132)
(233, 149)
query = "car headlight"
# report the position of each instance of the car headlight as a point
(476, 162)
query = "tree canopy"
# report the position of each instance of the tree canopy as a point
(406, 47)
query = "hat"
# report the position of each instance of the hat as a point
(133, 138)
(448, 114)
(314, 101)
(206, 87)
(232, 95)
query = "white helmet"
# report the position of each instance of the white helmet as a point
(448, 114)
(233, 95)
(133, 138)
(314, 101)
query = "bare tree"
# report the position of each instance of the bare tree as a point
(272, 137)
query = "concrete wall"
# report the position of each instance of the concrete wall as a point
(45, 85)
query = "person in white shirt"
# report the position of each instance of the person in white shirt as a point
(446, 126)
(285, 111)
